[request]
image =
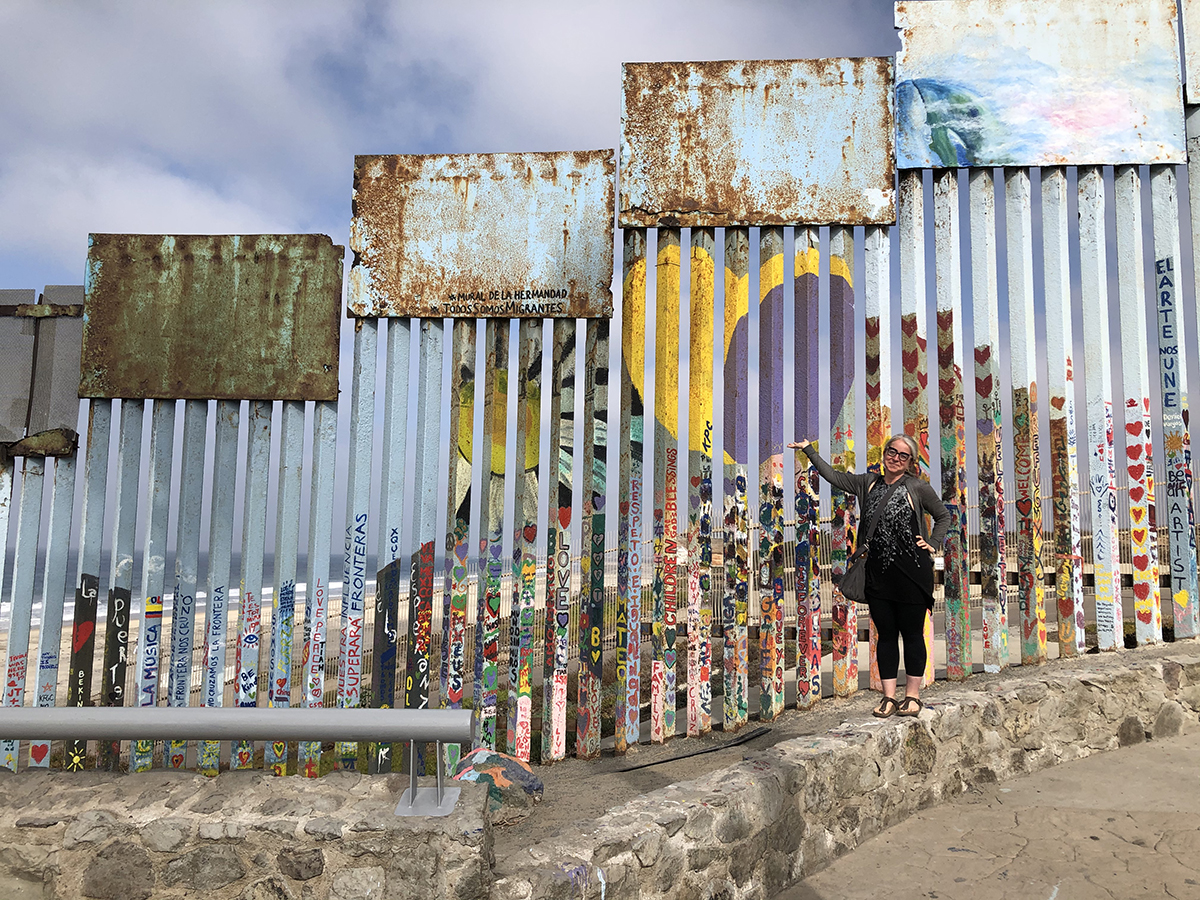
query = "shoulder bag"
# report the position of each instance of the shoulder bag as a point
(853, 585)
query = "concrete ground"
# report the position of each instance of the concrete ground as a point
(1116, 825)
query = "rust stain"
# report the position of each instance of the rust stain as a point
(771, 142)
(501, 234)
(55, 442)
(225, 317)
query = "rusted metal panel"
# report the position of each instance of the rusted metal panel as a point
(483, 234)
(1038, 83)
(198, 317)
(769, 142)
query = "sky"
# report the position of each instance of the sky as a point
(244, 117)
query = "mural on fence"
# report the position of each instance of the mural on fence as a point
(1035, 83)
(704, 146)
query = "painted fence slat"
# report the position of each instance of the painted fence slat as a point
(808, 498)
(558, 542)
(491, 539)
(1139, 448)
(358, 514)
(736, 444)
(1026, 466)
(217, 585)
(29, 520)
(701, 337)
(283, 596)
(525, 524)
(877, 375)
(187, 564)
(666, 487)
(54, 591)
(418, 655)
(1093, 278)
(154, 564)
(254, 538)
(87, 590)
(458, 519)
(116, 632)
(989, 421)
(593, 488)
(320, 539)
(913, 340)
(1179, 517)
(770, 470)
(1064, 461)
(385, 645)
(629, 487)
(952, 422)
(842, 451)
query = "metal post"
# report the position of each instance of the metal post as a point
(254, 536)
(989, 421)
(1093, 278)
(1064, 462)
(701, 339)
(736, 444)
(558, 542)
(842, 450)
(217, 586)
(808, 497)
(1026, 466)
(877, 375)
(154, 564)
(629, 487)
(953, 429)
(29, 520)
(54, 589)
(770, 471)
(87, 591)
(1139, 448)
(1172, 373)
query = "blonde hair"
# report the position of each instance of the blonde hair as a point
(914, 452)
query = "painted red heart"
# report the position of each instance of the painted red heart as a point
(530, 533)
(1025, 506)
(1144, 615)
(695, 479)
(1136, 492)
(1136, 472)
(83, 631)
(39, 751)
(1134, 428)
(1138, 535)
(911, 394)
(909, 359)
(1141, 590)
(908, 324)
(1134, 451)
(1136, 513)
(983, 386)
(923, 379)
(564, 516)
(983, 354)
(1141, 562)
(1058, 402)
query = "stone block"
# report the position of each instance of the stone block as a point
(300, 863)
(366, 883)
(1131, 731)
(1169, 721)
(119, 871)
(207, 868)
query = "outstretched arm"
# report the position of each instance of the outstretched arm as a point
(843, 481)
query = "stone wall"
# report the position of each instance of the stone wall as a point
(745, 831)
(241, 835)
(754, 828)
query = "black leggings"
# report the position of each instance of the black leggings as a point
(892, 621)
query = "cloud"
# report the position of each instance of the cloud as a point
(230, 116)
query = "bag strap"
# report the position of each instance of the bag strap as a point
(866, 536)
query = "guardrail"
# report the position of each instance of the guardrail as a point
(411, 726)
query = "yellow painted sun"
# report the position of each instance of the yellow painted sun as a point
(1174, 443)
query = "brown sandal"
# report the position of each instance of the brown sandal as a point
(886, 708)
(906, 710)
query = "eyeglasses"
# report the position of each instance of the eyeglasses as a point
(893, 452)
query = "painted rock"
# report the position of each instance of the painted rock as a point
(512, 786)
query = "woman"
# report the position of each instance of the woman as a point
(899, 582)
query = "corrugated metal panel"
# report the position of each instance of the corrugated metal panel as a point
(483, 234)
(770, 142)
(227, 317)
(1038, 83)
(16, 365)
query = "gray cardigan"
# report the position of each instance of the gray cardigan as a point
(924, 497)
